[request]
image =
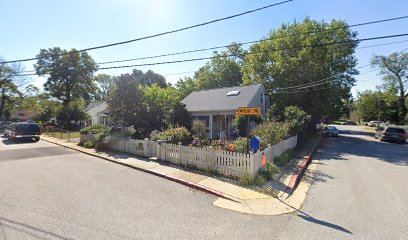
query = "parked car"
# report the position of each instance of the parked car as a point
(374, 123)
(23, 131)
(4, 125)
(392, 134)
(330, 131)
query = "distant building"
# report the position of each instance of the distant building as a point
(98, 112)
(217, 107)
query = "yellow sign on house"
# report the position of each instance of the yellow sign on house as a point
(254, 111)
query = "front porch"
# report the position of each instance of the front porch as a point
(218, 126)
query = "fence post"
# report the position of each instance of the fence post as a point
(212, 157)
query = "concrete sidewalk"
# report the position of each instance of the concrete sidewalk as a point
(270, 199)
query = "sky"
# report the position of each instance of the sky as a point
(28, 26)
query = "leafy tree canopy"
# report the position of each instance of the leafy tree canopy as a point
(288, 60)
(394, 69)
(125, 103)
(104, 83)
(69, 73)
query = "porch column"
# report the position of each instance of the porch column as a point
(211, 125)
(226, 127)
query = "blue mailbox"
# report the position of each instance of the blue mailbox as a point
(255, 143)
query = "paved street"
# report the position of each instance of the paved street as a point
(49, 192)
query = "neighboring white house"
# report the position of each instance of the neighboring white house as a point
(98, 113)
(217, 107)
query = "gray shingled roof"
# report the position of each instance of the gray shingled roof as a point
(94, 105)
(217, 99)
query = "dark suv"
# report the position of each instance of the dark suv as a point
(24, 131)
(393, 134)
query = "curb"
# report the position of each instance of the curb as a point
(297, 176)
(153, 172)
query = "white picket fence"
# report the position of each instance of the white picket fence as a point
(145, 148)
(207, 158)
(277, 150)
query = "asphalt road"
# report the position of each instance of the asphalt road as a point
(49, 192)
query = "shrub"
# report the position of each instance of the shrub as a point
(127, 132)
(155, 135)
(285, 158)
(176, 135)
(94, 129)
(241, 123)
(259, 180)
(272, 132)
(101, 141)
(272, 168)
(89, 144)
(245, 180)
(217, 144)
(198, 128)
(240, 145)
(205, 142)
(270, 171)
(295, 117)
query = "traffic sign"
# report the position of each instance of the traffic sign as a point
(249, 111)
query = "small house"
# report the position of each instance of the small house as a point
(98, 112)
(217, 107)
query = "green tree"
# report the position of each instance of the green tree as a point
(149, 78)
(367, 106)
(186, 86)
(291, 60)
(8, 89)
(394, 69)
(104, 84)
(158, 102)
(69, 73)
(125, 104)
(295, 117)
(163, 106)
(75, 111)
(219, 72)
(179, 116)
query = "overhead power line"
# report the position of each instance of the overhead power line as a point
(363, 47)
(317, 84)
(167, 32)
(325, 80)
(257, 41)
(257, 52)
(250, 53)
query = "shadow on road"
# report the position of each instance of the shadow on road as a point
(323, 223)
(28, 229)
(311, 219)
(9, 142)
(355, 144)
(352, 132)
